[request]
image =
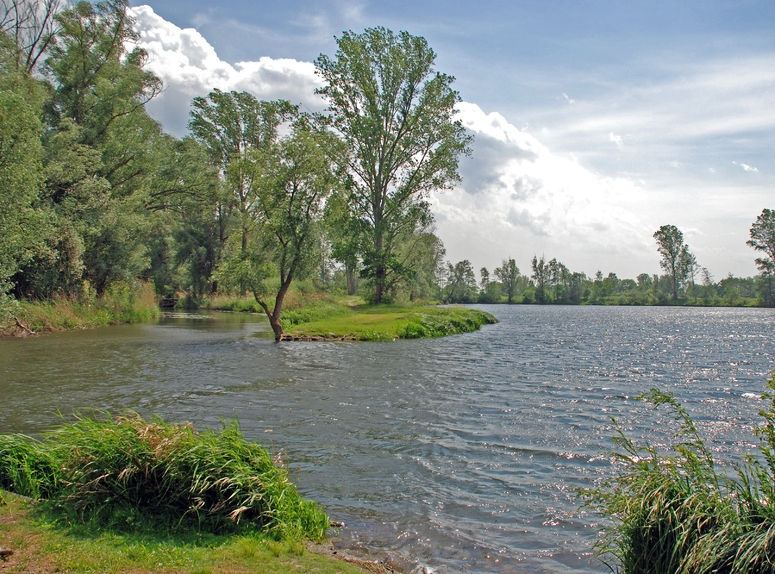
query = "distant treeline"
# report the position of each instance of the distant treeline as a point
(551, 282)
(684, 282)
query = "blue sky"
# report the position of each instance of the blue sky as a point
(595, 122)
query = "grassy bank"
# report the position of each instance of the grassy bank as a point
(680, 511)
(125, 494)
(383, 322)
(121, 303)
(42, 544)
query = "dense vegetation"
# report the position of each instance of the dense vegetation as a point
(683, 512)
(126, 471)
(259, 195)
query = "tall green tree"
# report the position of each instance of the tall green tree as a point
(762, 239)
(101, 151)
(345, 234)
(676, 259)
(540, 277)
(508, 275)
(294, 176)
(421, 256)
(21, 158)
(395, 114)
(233, 126)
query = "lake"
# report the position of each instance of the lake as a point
(462, 453)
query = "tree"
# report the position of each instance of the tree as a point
(293, 177)
(484, 273)
(395, 113)
(21, 157)
(677, 261)
(101, 153)
(33, 27)
(461, 283)
(508, 275)
(421, 256)
(344, 233)
(763, 239)
(540, 278)
(232, 126)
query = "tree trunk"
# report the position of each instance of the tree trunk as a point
(379, 283)
(274, 314)
(352, 285)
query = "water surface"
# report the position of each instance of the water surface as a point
(462, 453)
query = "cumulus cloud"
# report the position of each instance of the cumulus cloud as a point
(189, 66)
(517, 194)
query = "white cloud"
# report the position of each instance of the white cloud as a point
(517, 197)
(616, 139)
(746, 167)
(189, 66)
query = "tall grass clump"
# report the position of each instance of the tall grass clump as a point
(682, 512)
(125, 471)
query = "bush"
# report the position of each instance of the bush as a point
(681, 512)
(126, 470)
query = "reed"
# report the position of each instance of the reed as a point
(125, 471)
(681, 511)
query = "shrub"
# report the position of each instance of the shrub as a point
(681, 512)
(126, 470)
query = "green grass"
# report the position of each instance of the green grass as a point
(44, 545)
(121, 303)
(388, 322)
(127, 473)
(682, 512)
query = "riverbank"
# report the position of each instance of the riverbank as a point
(125, 494)
(40, 545)
(121, 303)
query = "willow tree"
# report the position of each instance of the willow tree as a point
(396, 116)
(293, 177)
(233, 126)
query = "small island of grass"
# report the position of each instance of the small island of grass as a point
(382, 322)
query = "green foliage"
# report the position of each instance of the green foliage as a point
(389, 322)
(394, 113)
(676, 259)
(679, 512)
(121, 303)
(460, 284)
(763, 239)
(20, 166)
(126, 470)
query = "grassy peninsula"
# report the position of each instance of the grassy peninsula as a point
(126, 494)
(386, 322)
(349, 318)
